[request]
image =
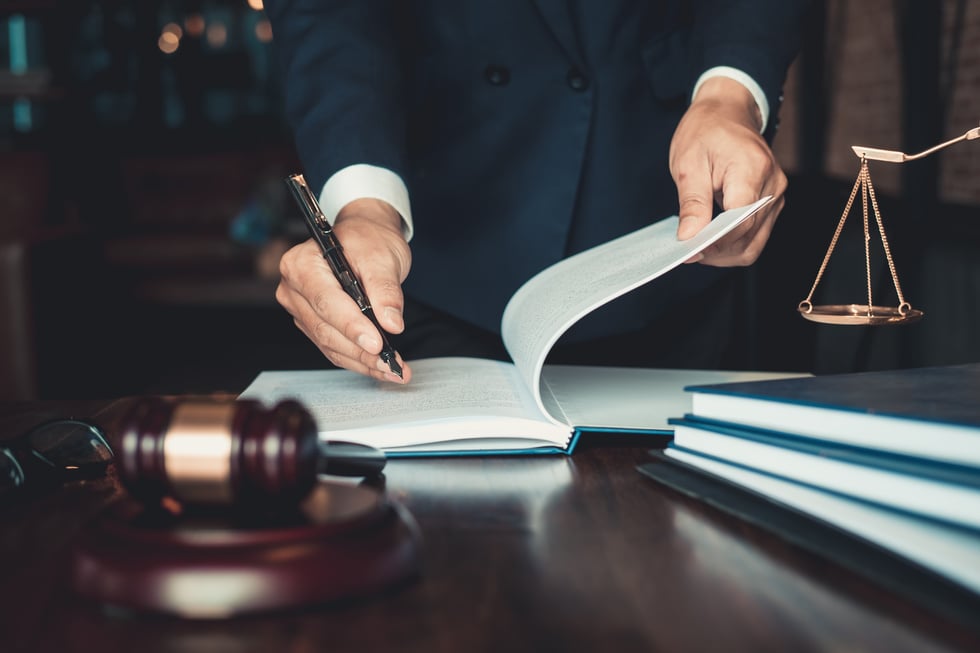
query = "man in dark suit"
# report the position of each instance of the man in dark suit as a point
(499, 137)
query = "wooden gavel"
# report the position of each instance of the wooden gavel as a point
(225, 515)
(229, 452)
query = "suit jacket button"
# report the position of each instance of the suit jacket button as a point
(497, 75)
(576, 80)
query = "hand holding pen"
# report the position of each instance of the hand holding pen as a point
(330, 319)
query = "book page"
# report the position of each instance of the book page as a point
(629, 398)
(548, 304)
(448, 399)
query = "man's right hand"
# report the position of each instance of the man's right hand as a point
(371, 233)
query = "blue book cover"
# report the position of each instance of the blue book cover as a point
(895, 463)
(927, 412)
(928, 488)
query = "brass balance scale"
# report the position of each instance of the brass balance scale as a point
(869, 313)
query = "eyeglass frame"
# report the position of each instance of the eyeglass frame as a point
(30, 462)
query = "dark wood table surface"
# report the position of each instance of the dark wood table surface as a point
(537, 553)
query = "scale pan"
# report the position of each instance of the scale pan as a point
(859, 314)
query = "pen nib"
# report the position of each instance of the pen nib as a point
(389, 358)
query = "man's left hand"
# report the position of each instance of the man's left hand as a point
(717, 155)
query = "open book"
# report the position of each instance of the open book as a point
(472, 405)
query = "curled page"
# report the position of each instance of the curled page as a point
(549, 303)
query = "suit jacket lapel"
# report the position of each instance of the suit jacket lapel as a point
(557, 15)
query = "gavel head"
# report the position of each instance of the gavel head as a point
(218, 453)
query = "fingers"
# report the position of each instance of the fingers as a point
(333, 344)
(328, 316)
(744, 244)
(718, 155)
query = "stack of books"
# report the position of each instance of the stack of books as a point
(889, 457)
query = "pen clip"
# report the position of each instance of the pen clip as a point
(307, 201)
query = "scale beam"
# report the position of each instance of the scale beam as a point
(869, 313)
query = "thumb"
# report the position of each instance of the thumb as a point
(696, 207)
(371, 232)
(695, 194)
(384, 290)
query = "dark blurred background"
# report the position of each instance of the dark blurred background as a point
(142, 209)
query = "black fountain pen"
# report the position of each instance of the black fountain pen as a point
(334, 253)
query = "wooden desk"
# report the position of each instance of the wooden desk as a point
(576, 553)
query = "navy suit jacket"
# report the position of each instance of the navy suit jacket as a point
(525, 130)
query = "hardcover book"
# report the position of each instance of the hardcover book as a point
(931, 489)
(927, 412)
(949, 551)
(889, 457)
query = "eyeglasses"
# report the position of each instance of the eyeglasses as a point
(53, 453)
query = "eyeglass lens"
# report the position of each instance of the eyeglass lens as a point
(69, 444)
(62, 449)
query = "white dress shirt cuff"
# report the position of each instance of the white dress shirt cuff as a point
(360, 181)
(743, 79)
